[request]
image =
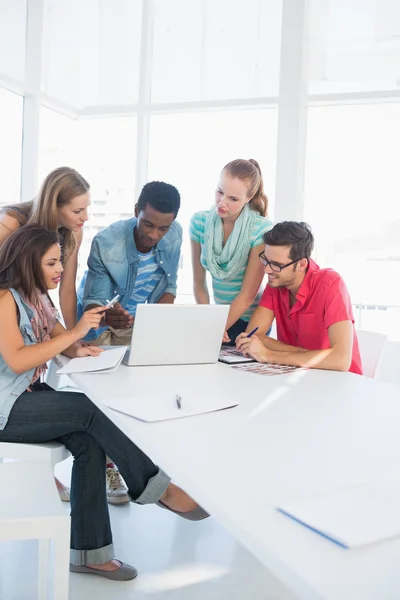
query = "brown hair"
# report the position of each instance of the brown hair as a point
(296, 234)
(58, 189)
(20, 260)
(249, 171)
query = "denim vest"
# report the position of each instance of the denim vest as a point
(11, 384)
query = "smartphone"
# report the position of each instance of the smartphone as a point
(110, 303)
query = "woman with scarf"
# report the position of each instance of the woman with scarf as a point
(227, 240)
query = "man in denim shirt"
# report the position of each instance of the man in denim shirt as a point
(138, 259)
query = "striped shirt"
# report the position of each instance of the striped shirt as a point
(149, 273)
(225, 291)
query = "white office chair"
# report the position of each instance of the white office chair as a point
(37, 515)
(49, 452)
(389, 364)
(371, 346)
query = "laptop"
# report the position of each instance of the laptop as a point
(177, 334)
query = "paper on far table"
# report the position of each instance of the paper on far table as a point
(266, 368)
(107, 362)
(352, 517)
(162, 406)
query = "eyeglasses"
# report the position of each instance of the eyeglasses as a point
(274, 266)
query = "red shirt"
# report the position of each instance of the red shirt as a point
(322, 301)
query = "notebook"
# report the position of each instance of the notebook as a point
(106, 362)
(231, 356)
(352, 517)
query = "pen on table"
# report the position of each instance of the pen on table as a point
(251, 332)
(178, 401)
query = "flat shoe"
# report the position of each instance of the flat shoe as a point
(197, 514)
(65, 494)
(124, 573)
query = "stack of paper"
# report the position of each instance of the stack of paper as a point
(106, 362)
(352, 517)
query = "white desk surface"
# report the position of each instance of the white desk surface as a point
(291, 436)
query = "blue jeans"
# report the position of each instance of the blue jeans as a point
(238, 328)
(70, 418)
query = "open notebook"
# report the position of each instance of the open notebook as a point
(106, 362)
(353, 517)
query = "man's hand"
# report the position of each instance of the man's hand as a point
(253, 347)
(87, 350)
(118, 318)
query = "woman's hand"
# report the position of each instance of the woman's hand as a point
(87, 350)
(226, 339)
(90, 319)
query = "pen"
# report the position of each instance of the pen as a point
(110, 303)
(178, 401)
(251, 332)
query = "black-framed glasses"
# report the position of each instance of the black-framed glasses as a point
(274, 266)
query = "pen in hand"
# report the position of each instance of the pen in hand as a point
(252, 332)
(178, 401)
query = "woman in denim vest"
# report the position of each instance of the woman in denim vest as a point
(32, 412)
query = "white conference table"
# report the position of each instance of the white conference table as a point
(292, 435)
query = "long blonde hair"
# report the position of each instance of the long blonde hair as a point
(57, 190)
(249, 172)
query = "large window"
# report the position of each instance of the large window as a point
(215, 49)
(10, 146)
(355, 46)
(352, 192)
(13, 15)
(189, 151)
(104, 152)
(91, 51)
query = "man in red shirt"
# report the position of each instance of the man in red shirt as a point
(312, 307)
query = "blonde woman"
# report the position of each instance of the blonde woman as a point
(62, 206)
(227, 240)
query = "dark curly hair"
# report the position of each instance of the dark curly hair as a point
(163, 197)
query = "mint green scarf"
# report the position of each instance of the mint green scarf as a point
(224, 262)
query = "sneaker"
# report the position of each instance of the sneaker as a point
(117, 492)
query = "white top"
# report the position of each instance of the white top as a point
(291, 436)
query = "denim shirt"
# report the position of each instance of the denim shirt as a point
(113, 264)
(11, 384)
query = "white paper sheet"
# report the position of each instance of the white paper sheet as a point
(162, 407)
(107, 362)
(353, 517)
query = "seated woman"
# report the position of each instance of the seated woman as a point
(227, 240)
(32, 412)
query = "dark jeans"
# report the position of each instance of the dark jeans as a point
(70, 418)
(238, 328)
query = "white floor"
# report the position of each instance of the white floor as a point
(176, 560)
